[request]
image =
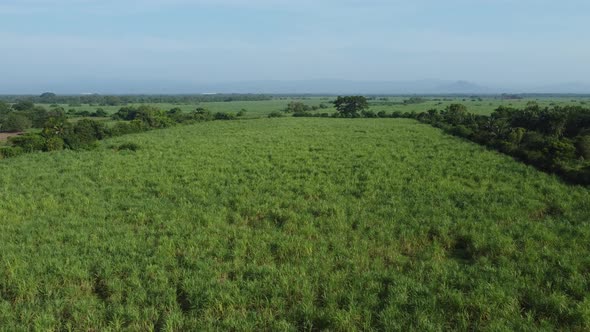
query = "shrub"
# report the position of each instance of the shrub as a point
(24, 105)
(28, 142)
(10, 151)
(561, 149)
(368, 114)
(84, 134)
(124, 128)
(296, 107)
(223, 116)
(128, 146)
(15, 122)
(397, 114)
(152, 117)
(583, 146)
(461, 131)
(276, 114)
(4, 107)
(125, 113)
(516, 135)
(100, 113)
(175, 110)
(303, 114)
(201, 114)
(39, 116)
(54, 144)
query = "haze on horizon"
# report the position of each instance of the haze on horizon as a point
(80, 46)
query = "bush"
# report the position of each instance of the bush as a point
(15, 122)
(303, 114)
(561, 149)
(54, 144)
(10, 151)
(100, 113)
(368, 114)
(84, 134)
(149, 115)
(461, 131)
(24, 105)
(4, 107)
(276, 114)
(125, 113)
(297, 107)
(39, 116)
(124, 128)
(223, 116)
(128, 146)
(583, 146)
(201, 114)
(28, 142)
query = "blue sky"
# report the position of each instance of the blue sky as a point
(68, 43)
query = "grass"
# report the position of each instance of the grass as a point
(485, 106)
(290, 224)
(260, 109)
(253, 109)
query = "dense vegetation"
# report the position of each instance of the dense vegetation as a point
(118, 100)
(554, 139)
(290, 224)
(58, 133)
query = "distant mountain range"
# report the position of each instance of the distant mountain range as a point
(295, 87)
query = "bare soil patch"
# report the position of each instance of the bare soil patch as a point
(5, 136)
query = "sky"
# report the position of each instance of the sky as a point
(70, 45)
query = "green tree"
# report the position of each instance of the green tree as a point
(296, 107)
(28, 142)
(583, 146)
(23, 105)
(15, 122)
(4, 107)
(84, 133)
(350, 106)
(100, 113)
(56, 126)
(455, 114)
(54, 144)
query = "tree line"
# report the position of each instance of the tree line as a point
(119, 100)
(57, 132)
(554, 139)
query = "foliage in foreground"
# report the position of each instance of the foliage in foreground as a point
(291, 224)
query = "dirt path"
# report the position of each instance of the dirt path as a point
(4, 136)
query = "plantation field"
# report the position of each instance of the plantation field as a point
(253, 109)
(485, 106)
(258, 109)
(290, 224)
